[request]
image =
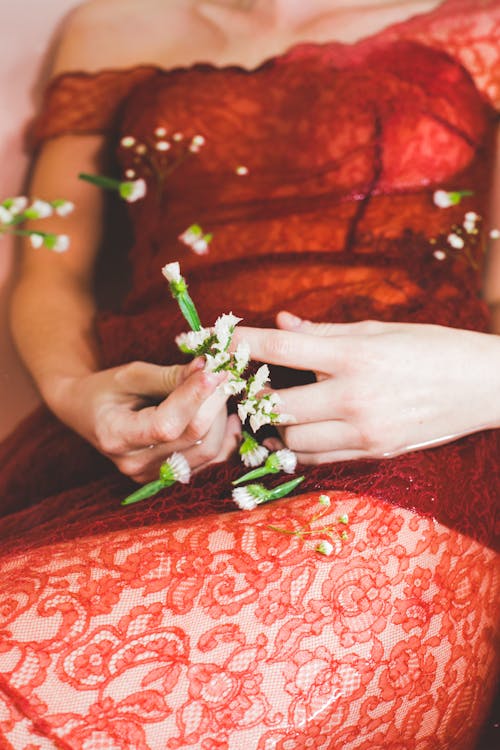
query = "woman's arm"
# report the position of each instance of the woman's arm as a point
(53, 314)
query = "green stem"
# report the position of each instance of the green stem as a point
(148, 490)
(108, 183)
(260, 471)
(284, 489)
(189, 311)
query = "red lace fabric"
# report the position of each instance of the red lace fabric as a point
(178, 624)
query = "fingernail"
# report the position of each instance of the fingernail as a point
(292, 321)
(198, 363)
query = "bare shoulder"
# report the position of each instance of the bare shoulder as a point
(120, 33)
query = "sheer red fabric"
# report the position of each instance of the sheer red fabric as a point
(176, 623)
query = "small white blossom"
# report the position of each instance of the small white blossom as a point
(198, 140)
(140, 149)
(192, 340)
(18, 204)
(36, 240)
(160, 132)
(442, 199)
(5, 215)
(172, 272)
(245, 408)
(455, 241)
(177, 136)
(324, 548)
(344, 518)
(324, 500)
(255, 457)
(40, 209)
(472, 216)
(287, 460)
(242, 356)
(64, 208)
(181, 471)
(162, 146)
(216, 362)
(259, 419)
(495, 234)
(61, 243)
(233, 386)
(241, 170)
(224, 327)
(130, 174)
(134, 190)
(258, 381)
(128, 141)
(200, 246)
(244, 499)
(439, 254)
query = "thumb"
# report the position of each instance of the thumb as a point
(156, 381)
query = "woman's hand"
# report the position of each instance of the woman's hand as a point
(382, 388)
(111, 409)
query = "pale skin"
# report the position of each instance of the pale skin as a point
(382, 389)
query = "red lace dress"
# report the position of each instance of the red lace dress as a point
(178, 624)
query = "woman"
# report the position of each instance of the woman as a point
(316, 178)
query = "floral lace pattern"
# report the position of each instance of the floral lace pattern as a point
(221, 633)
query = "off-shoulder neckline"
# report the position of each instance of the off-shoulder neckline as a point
(297, 48)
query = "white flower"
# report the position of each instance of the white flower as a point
(344, 518)
(241, 170)
(162, 146)
(442, 199)
(36, 240)
(192, 340)
(175, 469)
(172, 272)
(245, 408)
(5, 215)
(495, 234)
(178, 136)
(196, 143)
(133, 190)
(259, 419)
(128, 141)
(258, 381)
(200, 247)
(40, 209)
(130, 174)
(255, 457)
(61, 243)
(324, 500)
(287, 460)
(472, 216)
(244, 499)
(214, 362)
(64, 208)
(224, 327)
(439, 254)
(242, 356)
(160, 132)
(17, 204)
(455, 241)
(233, 386)
(324, 548)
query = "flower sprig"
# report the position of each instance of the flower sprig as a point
(17, 210)
(251, 452)
(282, 460)
(196, 239)
(129, 190)
(175, 469)
(334, 532)
(252, 495)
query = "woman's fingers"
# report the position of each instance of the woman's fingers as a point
(327, 399)
(166, 422)
(300, 351)
(323, 437)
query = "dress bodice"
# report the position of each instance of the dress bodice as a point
(315, 179)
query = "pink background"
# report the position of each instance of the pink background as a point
(27, 34)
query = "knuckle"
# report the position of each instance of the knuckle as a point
(165, 431)
(277, 346)
(196, 430)
(130, 466)
(129, 371)
(107, 441)
(207, 452)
